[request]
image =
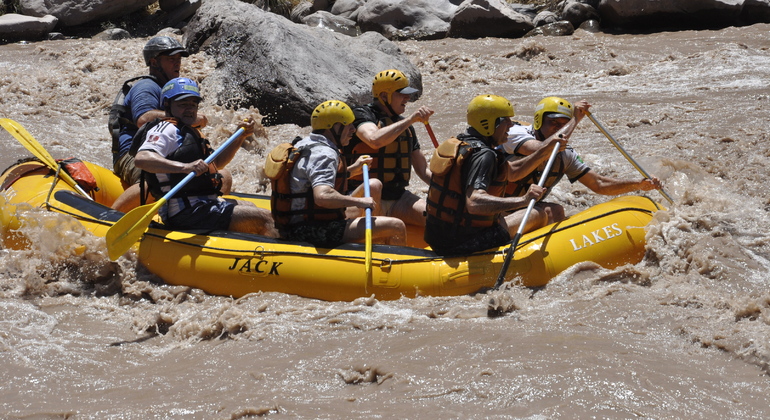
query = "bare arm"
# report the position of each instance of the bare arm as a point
(536, 151)
(376, 137)
(565, 132)
(481, 203)
(326, 196)
(228, 154)
(200, 122)
(154, 163)
(358, 166)
(518, 168)
(612, 186)
(150, 116)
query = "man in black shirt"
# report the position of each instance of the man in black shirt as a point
(466, 200)
(390, 139)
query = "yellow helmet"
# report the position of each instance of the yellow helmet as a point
(484, 110)
(551, 104)
(328, 113)
(390, 81)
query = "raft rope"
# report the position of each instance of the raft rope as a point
(401, 261)
(388, 261)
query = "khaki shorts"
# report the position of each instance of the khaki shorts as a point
(387, 206)
(407, 196)
(125, 169)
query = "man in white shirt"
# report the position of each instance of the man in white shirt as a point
(173, 148)
(557, 117)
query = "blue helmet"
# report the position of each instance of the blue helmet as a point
(180, 88)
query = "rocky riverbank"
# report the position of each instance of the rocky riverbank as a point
(32, 20)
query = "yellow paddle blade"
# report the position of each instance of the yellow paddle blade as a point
(130, 228)
(26, 139)
(32, 145)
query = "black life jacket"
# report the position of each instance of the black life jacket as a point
(391, 164)
(446, 194)
(141, 134)
(282, 159)
(120, 115)
(193, 147)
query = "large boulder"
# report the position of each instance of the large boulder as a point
(283, 69)
(407, 19)
(755, 11)
(182, 12)
(488, 18)
(169, 5)
(302, 10)
(14, 26)
(76, 12)
(576, 12)
(678, 13)
(321, 4)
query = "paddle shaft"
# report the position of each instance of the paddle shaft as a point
(368, 211)
(430, 133)
(120, 239)
(520, 231)
(208, 160)
(29, 142)
(624, 153)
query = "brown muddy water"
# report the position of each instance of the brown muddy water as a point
(684, 333)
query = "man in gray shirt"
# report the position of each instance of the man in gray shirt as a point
(313, 208)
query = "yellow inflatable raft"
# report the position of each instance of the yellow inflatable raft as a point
(234, 264)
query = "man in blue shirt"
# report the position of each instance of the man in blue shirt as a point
(138, 103)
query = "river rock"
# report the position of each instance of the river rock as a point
(678, 13)
(347, 8)
(301, 10)
(528, 10)
(283, 69)
(169, 5)
(339, 24)
(577, 12)
(112, 34)
(407, 19)
(76, 12)
(545, 17)
(560, 28)
(321, 5)
(14, 26)
(756, 11)
(591, 25)
(488, 18)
